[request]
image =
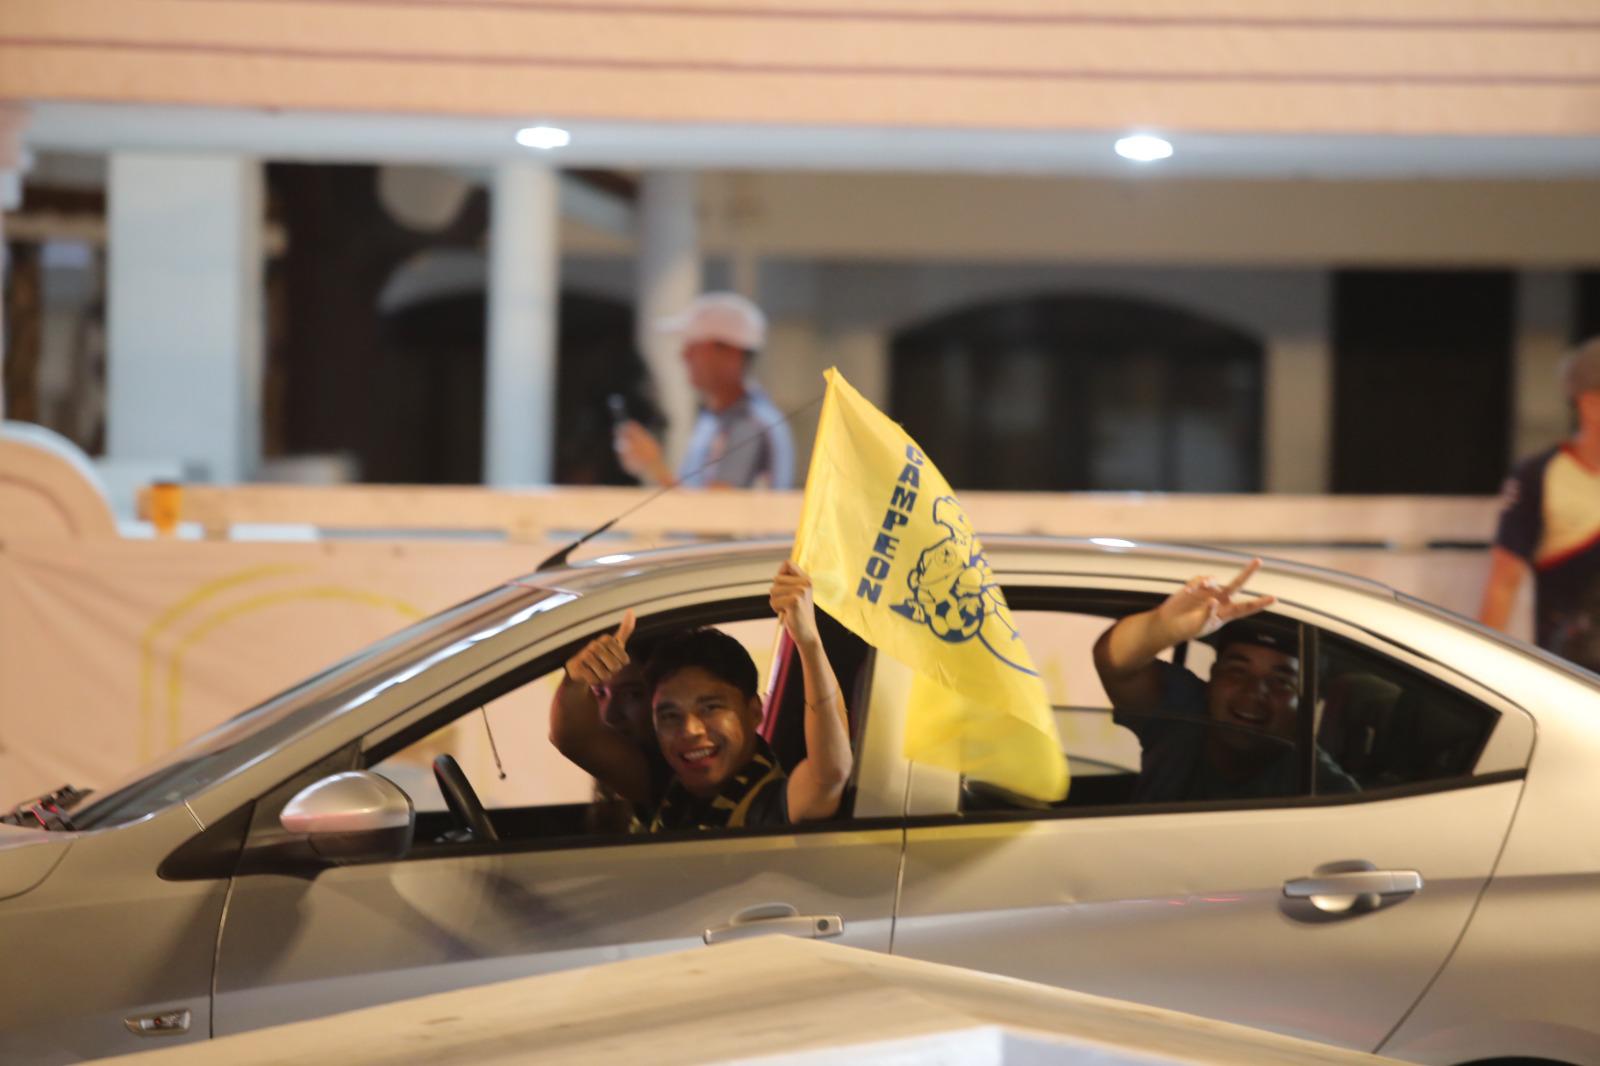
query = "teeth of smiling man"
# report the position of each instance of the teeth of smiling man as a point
(698, 754)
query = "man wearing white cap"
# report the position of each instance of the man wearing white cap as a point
(740, 439)
(1550, 522)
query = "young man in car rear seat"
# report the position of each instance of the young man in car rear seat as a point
(1232, 737)
(706, 713)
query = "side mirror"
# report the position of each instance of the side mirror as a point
(357, 816)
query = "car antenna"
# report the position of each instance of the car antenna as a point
(560, 557)
(494, 749)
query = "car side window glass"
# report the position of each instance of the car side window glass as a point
(529, 789)
(519, 724)
(1220, 721)
(1386, 724)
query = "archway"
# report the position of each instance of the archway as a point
(1083, 392)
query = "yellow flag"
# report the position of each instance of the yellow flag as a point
(894, 559)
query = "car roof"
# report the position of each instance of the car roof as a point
(1014, 552)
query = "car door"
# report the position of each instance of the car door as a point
(553, 893)
(1188, 905)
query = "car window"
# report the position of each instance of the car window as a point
(1387, 724)
(1062, 643)
(1188, 745)
(1227, 723)
(530, 789)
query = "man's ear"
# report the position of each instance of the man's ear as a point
(752, 713)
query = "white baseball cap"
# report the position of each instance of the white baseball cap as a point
(719, 316)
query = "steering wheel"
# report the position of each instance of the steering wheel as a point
(461, 799)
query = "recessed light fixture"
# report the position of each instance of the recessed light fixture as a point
(545, 137)
(1143, 148)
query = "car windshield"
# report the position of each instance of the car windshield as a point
(258, 731)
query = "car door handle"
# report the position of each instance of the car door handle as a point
(1341, 887)
(766, 919)
(163, 1023)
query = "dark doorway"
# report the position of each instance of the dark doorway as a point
(439, 350)
(1586, 319)
(1083, 392)
(340, 378)
(378, 335)
(1422, 381)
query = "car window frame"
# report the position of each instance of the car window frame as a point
(469, 693)
(1043, 591)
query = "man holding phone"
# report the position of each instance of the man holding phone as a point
(740, 439)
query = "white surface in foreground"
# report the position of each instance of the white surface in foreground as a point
(768, 1000)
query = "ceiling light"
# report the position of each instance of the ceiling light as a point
(544, 137)
(1143, 148)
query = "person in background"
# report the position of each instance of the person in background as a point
(1550, 523)
(740, 439)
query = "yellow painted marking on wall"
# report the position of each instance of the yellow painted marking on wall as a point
(250, 606)
(147, 640)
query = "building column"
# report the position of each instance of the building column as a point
(668, 278)
(184, 323)
(12, 120)
(1297, 435)
(1540, 414)
(519, 407)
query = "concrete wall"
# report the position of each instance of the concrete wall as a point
(1148, 217)
(1405, 66)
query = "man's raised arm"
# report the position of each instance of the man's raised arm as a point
(1125, 654)
(575, 726)
(817, 784)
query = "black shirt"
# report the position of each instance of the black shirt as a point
(1173, 738)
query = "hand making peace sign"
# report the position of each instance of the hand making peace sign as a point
(1202, 606)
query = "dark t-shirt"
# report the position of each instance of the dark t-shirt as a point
(1550, 518)
(1173, 766)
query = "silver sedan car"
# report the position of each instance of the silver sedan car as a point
(1442, 905)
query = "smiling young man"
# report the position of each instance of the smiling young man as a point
(706, 713)
(1232, 737)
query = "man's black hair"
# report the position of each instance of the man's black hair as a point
(712, 651)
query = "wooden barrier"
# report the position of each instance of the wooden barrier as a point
(47, 490)
(1407, 523)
